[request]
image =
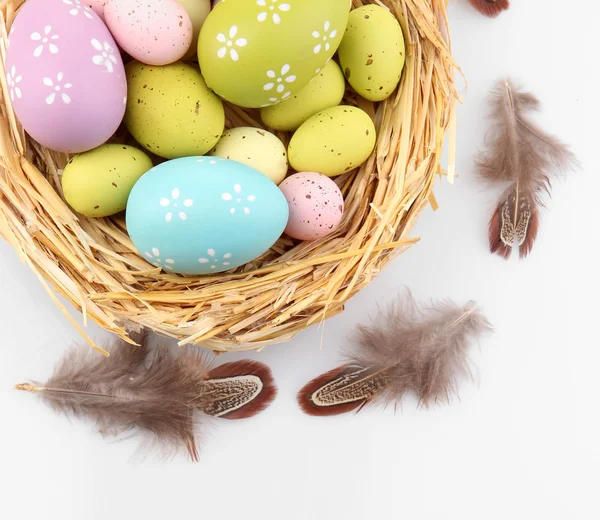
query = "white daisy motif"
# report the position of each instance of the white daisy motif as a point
(324, 38)
(238, 199)
(46, 39)
(13, 83)
(173, 203)
(155, 259)
(58, 89)
(214, 260)
(77, 7)
(272, 10)
(229, 44)
(278, 82)
(106, 56)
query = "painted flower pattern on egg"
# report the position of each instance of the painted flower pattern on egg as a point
(45, 40)
(214, 260)
(173, 205)
(229, 44)
(238, 200)
(324, 37)
(58, 87)
(272, 10)
(77, 7)
(154, 257)
(13, 80)
(106, 55)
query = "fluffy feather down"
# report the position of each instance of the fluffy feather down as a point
(524, 157)
(406, 349)
(154, 391)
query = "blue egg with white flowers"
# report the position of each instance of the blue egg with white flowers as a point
(204, 215)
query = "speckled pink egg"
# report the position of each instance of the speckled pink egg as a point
(98, 6)
(316, 205)
(156, 33)
(65, 75)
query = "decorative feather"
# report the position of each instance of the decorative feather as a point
(524, 157)
(491, 8)
(407, 349)
(153, 391)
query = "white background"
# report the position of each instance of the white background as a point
(521, 443)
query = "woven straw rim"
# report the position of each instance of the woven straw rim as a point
(93, 263)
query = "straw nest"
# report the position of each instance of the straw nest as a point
(93, 263)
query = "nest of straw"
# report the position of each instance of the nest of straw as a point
(93, 263)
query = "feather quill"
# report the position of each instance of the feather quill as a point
(153, 391)
(490, 8)
(521, 156)
(406, 349)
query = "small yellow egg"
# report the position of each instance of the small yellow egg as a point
(254, 147)
(97, 183)
(333, 141)
(372, 52)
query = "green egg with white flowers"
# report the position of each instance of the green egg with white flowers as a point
(334, 141)
(324, 91)
(98, 183)
(372, 53)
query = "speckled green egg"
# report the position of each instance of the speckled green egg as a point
(97, 183)
(170, 110)
(332, 142)
(256, 148)
(372, 53)
(256, 53)
(324, 91)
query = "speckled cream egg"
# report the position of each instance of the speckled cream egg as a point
(372, 52)
(97, 183)
(316, 205)
(198, 11)
(332, 142)
(64, 75)
(257, 148)
(157, 33)
(324, 91)
(256, 53)
(170, 110)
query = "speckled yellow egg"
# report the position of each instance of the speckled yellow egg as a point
(98, 183)
(372, 52)
(257, 148)
(170, 110)
(257, 53)
(333, 141)
(324, 91)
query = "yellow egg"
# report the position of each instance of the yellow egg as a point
(97, 183)
(170, 110)
(257, 148)
(324, 91)
(372, 52)
(197, 10)
(333, 141)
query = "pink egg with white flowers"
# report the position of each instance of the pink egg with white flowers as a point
(156, 33)
(65, 76)
(316, 205)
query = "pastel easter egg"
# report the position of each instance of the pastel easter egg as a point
(332, 142)
(198, 11)
(98, 6)
(256, 53)
(316, 205)
(97, 183)
(372, 52)
(257, 148)
(204, 215)
(170, 110)
(324, 91)
(157, 33)
(65, 76)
